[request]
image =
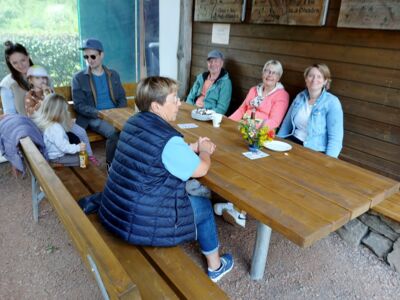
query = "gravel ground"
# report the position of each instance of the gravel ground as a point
(38, 261)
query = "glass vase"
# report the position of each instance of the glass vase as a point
(254, 147)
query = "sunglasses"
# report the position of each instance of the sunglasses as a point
(93, 56)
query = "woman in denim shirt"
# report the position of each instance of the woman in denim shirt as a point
(315, 118)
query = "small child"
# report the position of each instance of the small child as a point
(40, 84)
(53, 118)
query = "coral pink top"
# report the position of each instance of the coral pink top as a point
(271, 109)
(206, 86)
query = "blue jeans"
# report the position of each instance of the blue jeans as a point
(207, 234)
(108, 131)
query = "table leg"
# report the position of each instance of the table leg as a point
(260, 252)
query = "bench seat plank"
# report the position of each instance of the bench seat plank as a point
(183, 273)
(390, 207)
(87, 240)
(173, 265)
(151, 285)
(94, 136)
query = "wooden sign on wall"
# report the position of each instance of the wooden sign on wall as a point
(372, 14)
(218, 10)
(289, 12)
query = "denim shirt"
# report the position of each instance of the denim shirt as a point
(324, 127)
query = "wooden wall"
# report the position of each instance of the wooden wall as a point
(365, 65)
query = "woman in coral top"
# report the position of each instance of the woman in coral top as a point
(268, 101)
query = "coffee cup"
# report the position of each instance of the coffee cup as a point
(216, 119)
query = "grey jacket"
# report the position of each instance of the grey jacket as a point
(84, 94)
(13, 128)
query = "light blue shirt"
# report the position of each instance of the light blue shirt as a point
(179, 159)
(102, 92)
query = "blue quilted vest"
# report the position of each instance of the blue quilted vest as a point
(142, 202)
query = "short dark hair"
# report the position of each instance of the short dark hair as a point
(9, 49)
(154, 89)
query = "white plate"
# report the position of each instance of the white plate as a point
(277, 146)
(202, 114)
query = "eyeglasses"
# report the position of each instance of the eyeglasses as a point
(176, 100)
(93, 56)
(270, 72)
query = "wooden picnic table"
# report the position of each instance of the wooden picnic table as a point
(302, 194)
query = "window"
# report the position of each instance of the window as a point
(49, 31)
(115, 24)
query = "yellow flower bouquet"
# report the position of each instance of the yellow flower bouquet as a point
(256, 135)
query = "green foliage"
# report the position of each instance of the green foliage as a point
(49, 31)
(59, 54)
(38, 17)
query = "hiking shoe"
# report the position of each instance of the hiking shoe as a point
(226, 266)
(233, 217)
(220, 207)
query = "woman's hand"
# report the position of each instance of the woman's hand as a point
(195, 146)
(206, 149)
(205, 145)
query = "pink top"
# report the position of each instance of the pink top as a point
(206, 86)
(272, 109)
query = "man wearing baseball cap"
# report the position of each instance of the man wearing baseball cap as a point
(96, 88)
(212, 89)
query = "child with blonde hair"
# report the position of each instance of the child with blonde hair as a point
(40, 84)
(53, 120)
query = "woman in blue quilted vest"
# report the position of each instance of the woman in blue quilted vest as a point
(144, 200)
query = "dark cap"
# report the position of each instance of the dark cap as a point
(215, 54)
(91, 44)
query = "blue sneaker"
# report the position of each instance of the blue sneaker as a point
(225, 268)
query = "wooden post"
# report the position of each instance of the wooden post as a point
(185, 46)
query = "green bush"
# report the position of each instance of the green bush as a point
(59, 54)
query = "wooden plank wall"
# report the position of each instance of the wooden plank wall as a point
(365, 65)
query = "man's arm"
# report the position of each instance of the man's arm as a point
(81, 105)
(119, 92)
(194, 91)
(225, 96)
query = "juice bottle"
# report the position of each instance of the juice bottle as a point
(83, 159)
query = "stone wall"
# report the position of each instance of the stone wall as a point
(380, 234)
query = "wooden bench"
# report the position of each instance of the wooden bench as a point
(390, 207)
(122, 271)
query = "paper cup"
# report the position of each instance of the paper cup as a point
(217, 118)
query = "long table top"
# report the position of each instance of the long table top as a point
(301, 193)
